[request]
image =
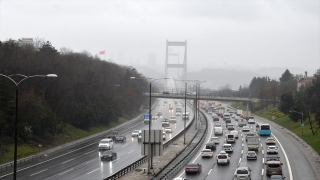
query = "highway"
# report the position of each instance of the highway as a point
(293, 160)
(83, 161)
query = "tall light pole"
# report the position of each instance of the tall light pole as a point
(301, 113)
(150, 120)
(24, 77)
(197, 99)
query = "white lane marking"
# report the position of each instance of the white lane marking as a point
(262, 172)
(38, 172)
(89, 152)
(131, 151)
(262, 160)
(262, 152)
(239, 161)
(67, 161)
(209, 171)
(241, 151)
(286, 157)
(90, 161)
(124, 145)
(65, 172)
(93, 171)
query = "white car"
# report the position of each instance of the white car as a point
(168, 130)
(215, 140)
(178, 113)
(173, 119)
(106, 144)
(164, 136)
(206, 153)
(223, 158)
(135, 133)
(237, 118)
(272, 150)
(235, 133)
(251, 121)
(227, 148)
(245, 128)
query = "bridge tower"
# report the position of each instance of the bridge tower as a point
(176, 65)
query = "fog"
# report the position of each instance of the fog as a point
(263, 37)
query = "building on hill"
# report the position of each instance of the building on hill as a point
(304, 82)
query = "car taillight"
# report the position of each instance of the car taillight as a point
(216, 159)
(187, 169)
(196, 169)
(248, 175)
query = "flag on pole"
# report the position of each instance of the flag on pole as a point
(102, 52)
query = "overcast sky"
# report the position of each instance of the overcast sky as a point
(220, 34)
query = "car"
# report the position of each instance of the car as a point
(112, 134)
(276, 177)
(237, 118)
(249, 134)
(193, 168)
(165, 123)
(227, 148)
(230, 126)
(120, 138)
(168, 130)
(243, 173)
(106, 144)
(272, 150)
(178, 113)
(230, 138)
(218, 130)
(272, 158)
(173, 119)
(233, 116)
(180, 178)
(223, 158)
(109, 155)
(251, 121)
(159, 114)
(211, 146)
(206, 153)
(209, 112)
(273, 168)
(165, 92)
(245, 128)
(252, 155)
(154, 118)
(223, 152)
(217, 124)
(215, 140)
(140, 136)
(270, 140)
(215, 117)
(164, 136)
(235, 133)
(135, 133)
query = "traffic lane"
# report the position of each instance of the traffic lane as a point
(298, 163)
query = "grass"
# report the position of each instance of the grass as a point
(285, 121)
(71, 133)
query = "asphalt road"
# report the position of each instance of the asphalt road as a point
(83, 161)
(295, 165)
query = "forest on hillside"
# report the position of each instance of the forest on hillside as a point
(87, 92)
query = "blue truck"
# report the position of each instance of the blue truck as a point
(147, 117)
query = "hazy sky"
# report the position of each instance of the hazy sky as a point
(220, 33)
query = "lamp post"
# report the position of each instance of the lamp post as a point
(150, 120)
(197, 99)
(301, 113)
(24, 77)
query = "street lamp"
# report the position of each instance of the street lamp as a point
(301, 125)
(24, 77)
(150, 120)
(197, 99)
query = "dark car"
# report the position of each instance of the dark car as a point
(109, 155)
(276, 177)
(215, 117)
(120, 138)
(165, 92)
(193, 168)
(273, 158)
(211, 145)
(112, 134)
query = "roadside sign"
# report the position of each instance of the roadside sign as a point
(302, 126)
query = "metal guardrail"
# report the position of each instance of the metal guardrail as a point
(132, 166)
(172, 172)
(30, 158)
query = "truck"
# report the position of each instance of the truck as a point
(253, 143)
(246, 114)
(239, 112)
(221, 112)
(146, 117)
(242, 122)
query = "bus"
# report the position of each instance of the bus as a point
(264, 129)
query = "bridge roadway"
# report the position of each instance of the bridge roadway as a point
(203, 97)
(83, 161)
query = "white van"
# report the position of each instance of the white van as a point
(218, 130)
(230, 138)
(226, 116)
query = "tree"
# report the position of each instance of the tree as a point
(286, 76)
(286, 102)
